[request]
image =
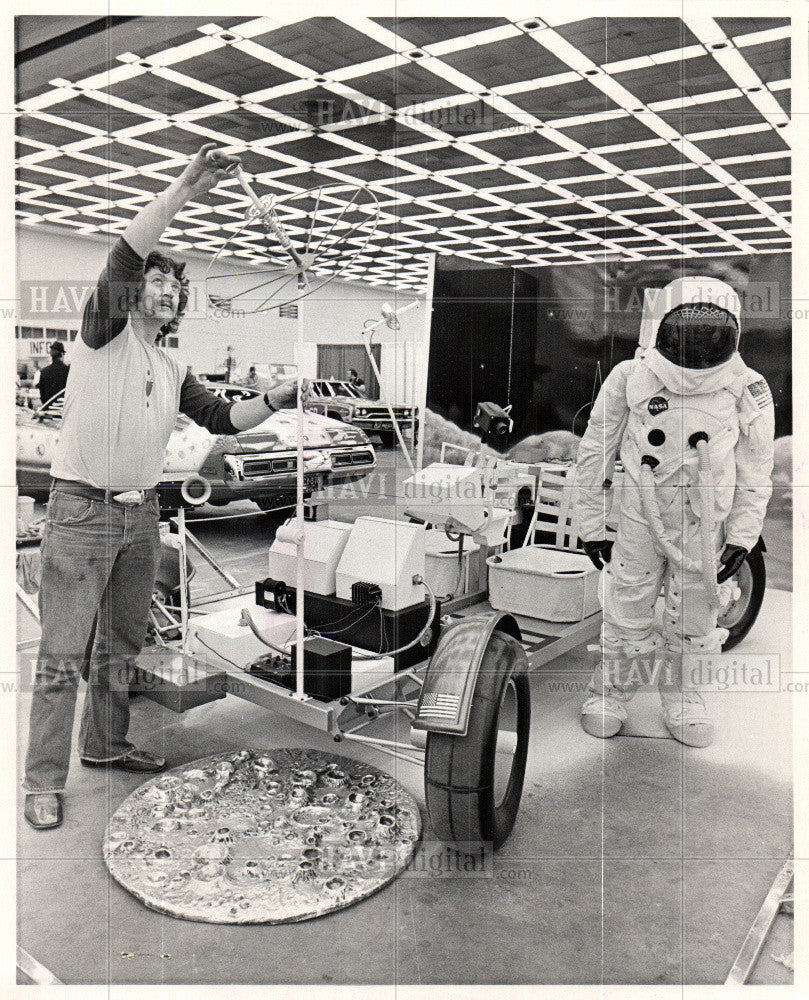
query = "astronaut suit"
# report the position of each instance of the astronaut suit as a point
(694, 429)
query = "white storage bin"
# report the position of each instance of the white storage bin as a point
(441, 563)
(543, 582)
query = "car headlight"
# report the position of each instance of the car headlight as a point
(361, 411)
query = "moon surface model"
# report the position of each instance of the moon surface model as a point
(260, 836)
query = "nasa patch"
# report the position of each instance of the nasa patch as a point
(760, 392)
(657, 404)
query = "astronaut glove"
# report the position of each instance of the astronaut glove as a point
(731, 562)
(599, 552)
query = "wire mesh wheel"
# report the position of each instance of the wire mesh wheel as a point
(308, 239)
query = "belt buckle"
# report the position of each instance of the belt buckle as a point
(131, 498)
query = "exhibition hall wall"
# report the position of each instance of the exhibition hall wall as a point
(67, 267)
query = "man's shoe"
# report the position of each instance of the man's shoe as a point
(602, 717)
(43, 810)
(135, 760)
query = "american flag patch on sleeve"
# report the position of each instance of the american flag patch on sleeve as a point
(760, 392)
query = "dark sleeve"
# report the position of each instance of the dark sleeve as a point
(44, 386)
(107, 309)
(205, 408)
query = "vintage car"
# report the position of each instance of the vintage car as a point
(258, 465)
(343, 401)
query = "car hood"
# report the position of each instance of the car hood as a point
(190, 445)
(361, 402)
(280, 432)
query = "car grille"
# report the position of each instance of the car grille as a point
(381, 413)
(267, 466)
(351, 458)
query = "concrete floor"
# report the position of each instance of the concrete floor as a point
(634, 860)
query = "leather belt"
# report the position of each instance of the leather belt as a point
(126, 498)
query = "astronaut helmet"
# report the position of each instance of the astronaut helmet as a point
(700, 322)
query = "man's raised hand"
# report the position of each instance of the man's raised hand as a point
(208, 168)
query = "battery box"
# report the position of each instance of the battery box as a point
(326, 668)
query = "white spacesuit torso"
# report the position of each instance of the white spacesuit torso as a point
(666, 411)
(649, 407)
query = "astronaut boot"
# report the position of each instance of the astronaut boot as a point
(609, 690)
(628, 663)
(686, 718)
(684, 711)
(603, 715)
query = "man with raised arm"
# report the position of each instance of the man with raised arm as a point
(100, 548)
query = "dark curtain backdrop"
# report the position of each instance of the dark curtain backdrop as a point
(334, 361)
(573, 324)
(474, 335)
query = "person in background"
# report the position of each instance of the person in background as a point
(355, 380)
(101, 546)
(53, 377)
(230, 363)
(251, 380)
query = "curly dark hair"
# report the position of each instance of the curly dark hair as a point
(168, 265)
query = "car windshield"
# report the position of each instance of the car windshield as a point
(231, 393)
(335, 387)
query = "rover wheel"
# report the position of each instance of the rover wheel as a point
(740, 615)
(473, 783)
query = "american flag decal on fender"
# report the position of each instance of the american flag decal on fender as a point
(439, 706)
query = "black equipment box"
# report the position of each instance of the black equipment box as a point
(326, 668)
(366, 626)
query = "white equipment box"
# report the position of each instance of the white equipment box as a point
(543, 582)
(386, 553)
(441, 492)
(220, 638)
(367, 674)
(323, 544)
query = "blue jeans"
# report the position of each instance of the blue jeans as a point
(99, 561)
